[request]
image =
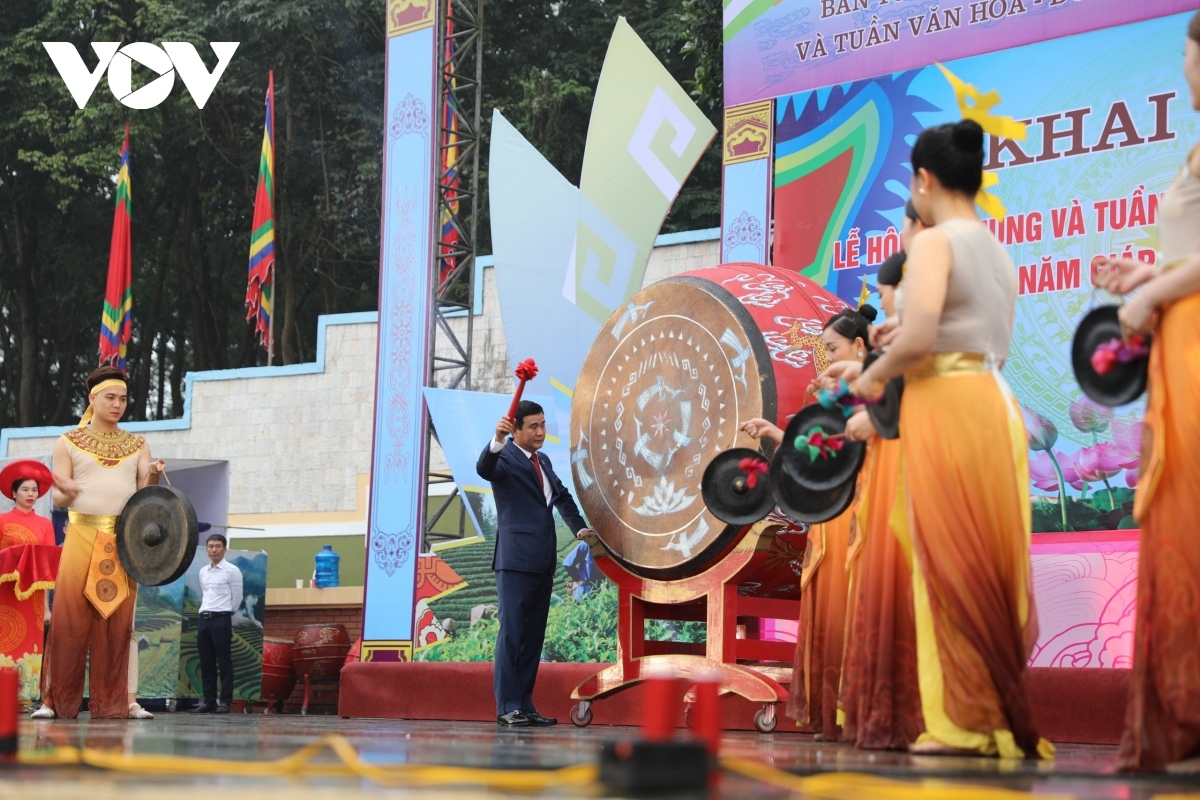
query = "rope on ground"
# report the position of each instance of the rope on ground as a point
(302, 763)
(852, 786)
(824, 786)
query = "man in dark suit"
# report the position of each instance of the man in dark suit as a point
(526, 491)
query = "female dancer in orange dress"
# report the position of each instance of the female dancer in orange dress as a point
(23, 597)
(1162, 720)
(812, 700)
(880, 697)
(962, 442)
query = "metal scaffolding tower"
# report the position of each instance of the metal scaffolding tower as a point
(460, 45)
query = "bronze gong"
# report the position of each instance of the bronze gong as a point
(157, 534)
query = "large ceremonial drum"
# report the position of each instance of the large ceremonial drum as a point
(665, 388)
(319, 651)
(278, 671)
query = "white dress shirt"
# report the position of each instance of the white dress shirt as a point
(496, 447)
(221, 587)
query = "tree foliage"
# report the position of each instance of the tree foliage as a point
(193, 173)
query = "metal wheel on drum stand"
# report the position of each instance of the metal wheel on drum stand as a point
(581, 714)
(765, 719)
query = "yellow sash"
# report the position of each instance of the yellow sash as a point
(107, 584)
(943, 364)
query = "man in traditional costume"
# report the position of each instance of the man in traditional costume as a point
(28, 564)
(97, 468)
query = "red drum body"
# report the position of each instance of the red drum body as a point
(320, 651)
(278, 671)
(666, 387)
(779, 576)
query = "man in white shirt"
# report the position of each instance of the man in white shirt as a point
(221, 591)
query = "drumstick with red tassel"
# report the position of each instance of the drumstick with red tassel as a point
(526, 371)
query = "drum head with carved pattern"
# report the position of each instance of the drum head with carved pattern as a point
(736, 495)
(663, 390)
(157, 534)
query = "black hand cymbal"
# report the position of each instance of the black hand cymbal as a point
(826, 472)
(1122, 384)
(885, 414)
(734, 495)
(157, 534)
(805, 505)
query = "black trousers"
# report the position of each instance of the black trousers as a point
(524, 605)
(214, 639)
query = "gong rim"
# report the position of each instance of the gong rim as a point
(145, 563)
(1124, 383)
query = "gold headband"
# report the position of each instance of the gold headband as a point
(977, 106)
(89, 412)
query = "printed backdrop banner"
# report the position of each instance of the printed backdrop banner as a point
(777, 47)
(1105, 139)
(567, 257)
(644, 137)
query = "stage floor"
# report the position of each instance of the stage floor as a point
(1081, 771)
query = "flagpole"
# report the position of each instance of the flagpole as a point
(271, 321)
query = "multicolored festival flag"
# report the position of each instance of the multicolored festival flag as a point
(260, 289)
(116, 322)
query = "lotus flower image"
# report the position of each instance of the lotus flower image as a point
(1042, 472)
(1098, 463)
(1045, 476)
(1041, 435)
(1127, 437)
(1040, 431)
(1070, 474)
(666, 499)
(1089, 416)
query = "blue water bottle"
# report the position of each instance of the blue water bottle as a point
(327, 568)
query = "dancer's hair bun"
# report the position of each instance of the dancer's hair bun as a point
(968, 136)
(869, 312)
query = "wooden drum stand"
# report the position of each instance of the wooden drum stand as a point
(711, 597)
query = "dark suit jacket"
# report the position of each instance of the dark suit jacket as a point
(525, 539)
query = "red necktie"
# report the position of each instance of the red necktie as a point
(537, 467)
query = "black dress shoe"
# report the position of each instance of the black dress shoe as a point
(221, 708)
(204, 708)
(538, 721)
(513, 719)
